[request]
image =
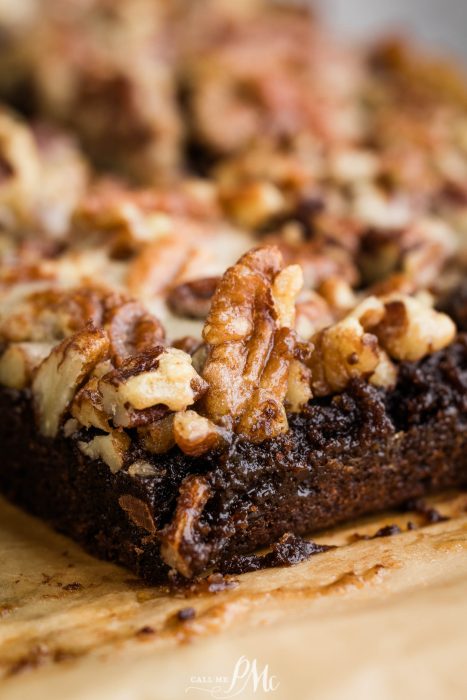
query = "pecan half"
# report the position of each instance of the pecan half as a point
(249, 350)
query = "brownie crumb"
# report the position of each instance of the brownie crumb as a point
(387, 531)
(419, 506)
(288, 551)
(145, 631)
(214, 583)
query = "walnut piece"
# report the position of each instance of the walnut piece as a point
(61, 374)
(18, 362)
(111, 449)
(249, 350)
(410, 330)
(159, 377)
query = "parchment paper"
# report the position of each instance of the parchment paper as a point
(376, 619)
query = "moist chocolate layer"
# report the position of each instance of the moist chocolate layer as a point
(356, 453)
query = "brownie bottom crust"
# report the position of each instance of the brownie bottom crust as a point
(353, 454)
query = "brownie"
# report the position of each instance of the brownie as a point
(238, 339)
(358, 453)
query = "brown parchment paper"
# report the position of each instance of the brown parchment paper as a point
(376, 619)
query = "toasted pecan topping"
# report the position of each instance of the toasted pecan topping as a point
(254, 204)
(410, 330)
(181, 533)
(192, 299)
(132, 330)
(341, 352)
(195, 434)
(158, 437)
(87, 407)
(162, 377)
(249, 351)
(19, 362)
(53, 314)
(111, 449)
(19, 168)
(61, 374)
(298, 387)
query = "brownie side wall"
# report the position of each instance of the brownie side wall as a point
(358, 453)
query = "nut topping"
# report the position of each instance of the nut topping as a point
(52, 314)
(410, 330)
(249, 351)
(195, 434)
(111, 449)
(18, 362)
(181, 532)
(341, 352)
(87, 407)
(159, 377)
(132, 330)
(62, 373)
(193, 299)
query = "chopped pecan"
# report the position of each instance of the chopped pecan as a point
(157, 265)
(418, 251)
(158, 437)
(20, 168)
(132, 330)
(111, 449)
(341, 352)
(253, 204)
(19, 361)
(87, 407)
(127, 219)
(61, 374)
(180, 536)
(338, 293)
(409, 330)
(52, 314)
(195, 434)
(249, 352)
(313, 313)
(298, 386)
(192, 299)
(161, 378)
(285, 288)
